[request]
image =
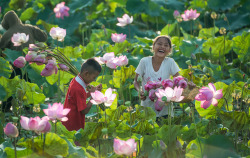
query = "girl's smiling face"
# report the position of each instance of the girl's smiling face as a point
(161, 47)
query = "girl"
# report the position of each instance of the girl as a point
(155, 68)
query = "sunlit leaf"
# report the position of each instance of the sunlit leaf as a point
(241, 46)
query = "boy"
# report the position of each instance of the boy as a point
(77, 94)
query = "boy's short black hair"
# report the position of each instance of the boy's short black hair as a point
(91, 65)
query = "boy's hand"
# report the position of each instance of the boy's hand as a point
(99, 87)
(91, 88)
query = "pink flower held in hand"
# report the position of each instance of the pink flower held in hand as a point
(122, 147)
(61, 10)
(152, 95)
(183, 84)
(40, 59)
(118, 38)
(158, 105)
(57, 33)
(19, 38)
(107, 56)
(177, 80)
(190, 15)
(171, 94)
(11, 130)
(167, 83)
(99, 98)
(20, 62)
(30, 56)
(209, 96)
(125, 20)
(56, 112)
(63, 67)
(50, 68)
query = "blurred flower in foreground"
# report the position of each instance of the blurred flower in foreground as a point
(118, 38)
(176, 13)
(61, 10)
(125, 20)
(56, 112)
(190, 15)
(122, 147)
(19, 38)
(11, 130)
(20, 62)
(57, 33)
(209, 96)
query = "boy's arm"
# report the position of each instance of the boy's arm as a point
(86, 110)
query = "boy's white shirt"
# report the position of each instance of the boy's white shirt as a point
(146, 72)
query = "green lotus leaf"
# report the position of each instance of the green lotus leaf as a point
(241, 46)
(217, 46)
(5, 70)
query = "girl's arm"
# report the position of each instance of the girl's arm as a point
(137, 87)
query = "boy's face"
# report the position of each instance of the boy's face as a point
(90, 77)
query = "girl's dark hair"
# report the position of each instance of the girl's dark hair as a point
(91, 65)
(163, 36)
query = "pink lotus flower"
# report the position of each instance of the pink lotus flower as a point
(33, 47)
(209, 96)
(177, 80)
(152, 95)
(190, 15)
(63, 67)
(57, 33)
(30, 56)
(118, 38)
(113, 63)
(56, 112)
(99, 98)
(98, 59)
(158, 105)
(19, 38)
(11, 130)
(171, 94)
(152, 85)
(107, 56)
(35, 124)
(176, 13)
(167, 83)
(123, 60)
(183, 84)
(122, 147)
(20, 62)
(50, 68)
(40, 59)
(61, 10)
(125, 20)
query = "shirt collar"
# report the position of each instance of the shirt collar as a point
(81, 82)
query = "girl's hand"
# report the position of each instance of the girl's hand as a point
(142, 96)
